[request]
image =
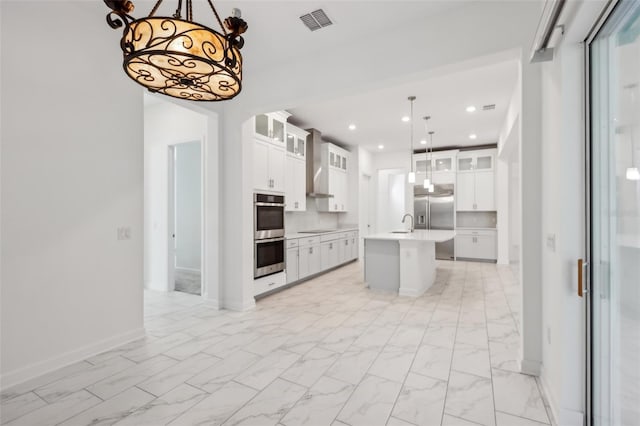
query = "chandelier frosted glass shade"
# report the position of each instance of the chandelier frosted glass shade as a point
(181, 59)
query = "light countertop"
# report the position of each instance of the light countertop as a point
(294, 235)
(431, 235)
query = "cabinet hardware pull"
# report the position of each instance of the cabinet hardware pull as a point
(270, 284)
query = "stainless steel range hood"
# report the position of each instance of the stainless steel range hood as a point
(314, 164)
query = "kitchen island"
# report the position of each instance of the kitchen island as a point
(403, 262)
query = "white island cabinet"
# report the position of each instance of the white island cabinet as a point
(403, 262)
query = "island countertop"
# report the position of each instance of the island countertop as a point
(426, 235)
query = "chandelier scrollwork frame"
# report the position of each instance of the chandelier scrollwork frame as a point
(178, 57)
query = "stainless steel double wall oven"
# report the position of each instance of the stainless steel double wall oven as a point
(268, 234)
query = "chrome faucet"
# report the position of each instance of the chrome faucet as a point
(410, 216)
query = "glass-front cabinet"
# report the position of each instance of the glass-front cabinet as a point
(469, 161)
(437, 162)
(271, 127)
(296, 141)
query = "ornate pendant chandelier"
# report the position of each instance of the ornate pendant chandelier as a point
(179, 57)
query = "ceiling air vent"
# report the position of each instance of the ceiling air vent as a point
(316, 20)
(488, 107)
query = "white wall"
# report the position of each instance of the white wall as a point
(366, 196)
(72, 155)
(188, 213)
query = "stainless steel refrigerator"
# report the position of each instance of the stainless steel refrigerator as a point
(435, 211)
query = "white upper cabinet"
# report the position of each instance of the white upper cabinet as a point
(296, 142)
(334, 178)
(296, 170)
(271, 127)
(475, 188)
(469, 161)
(440, 166)
(295, 185)
(268, 167)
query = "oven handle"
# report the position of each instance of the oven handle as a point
(269, 204)
(270, 240)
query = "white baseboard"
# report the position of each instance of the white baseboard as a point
(561, 416)
(37, 369)
(239, 306)
(213, 303)
(187, 269)
(532, 368)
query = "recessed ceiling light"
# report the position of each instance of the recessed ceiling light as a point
(406, 119)
(423, 141)
(473, 136)
(352, 126)
(471, 108)
(380, 146)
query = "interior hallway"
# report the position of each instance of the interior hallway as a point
(328, 351)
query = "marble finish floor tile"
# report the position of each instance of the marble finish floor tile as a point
(267, 369)
(20, 405)
(326, 352)
(393, 363)
(217, 407)
(320, 404)
(470, 398)
(471, 359)
(371, 402)
(269, 406)
(421, 400)
(58, 411)
(352, 365)
(518, 394)
(113, 410)
(433, 361)
(163, 410)
(310, 367)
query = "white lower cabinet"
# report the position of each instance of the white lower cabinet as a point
(309, 261)
(268, 283)
(292, 264)
(476, 244)
(329, 254)
(311, 255)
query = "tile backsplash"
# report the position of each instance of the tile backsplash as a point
(310, 219)
(476, 219)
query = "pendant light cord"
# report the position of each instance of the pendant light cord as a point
(412, 99)
(215, 12)
(189, 12)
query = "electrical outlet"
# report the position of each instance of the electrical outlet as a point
(124, 233)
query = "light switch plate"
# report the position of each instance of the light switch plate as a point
(124, 233)
(551, 242)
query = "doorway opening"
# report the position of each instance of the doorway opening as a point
(185, 217)
(174, 146)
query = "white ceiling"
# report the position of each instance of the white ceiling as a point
(277, 35)
(377, 114)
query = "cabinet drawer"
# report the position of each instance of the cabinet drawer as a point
(330, 237)
(271, 282)
(293, 243)
(308, 241)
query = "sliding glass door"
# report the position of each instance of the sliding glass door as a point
(614, 255)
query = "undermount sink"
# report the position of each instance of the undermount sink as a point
(400, 232)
